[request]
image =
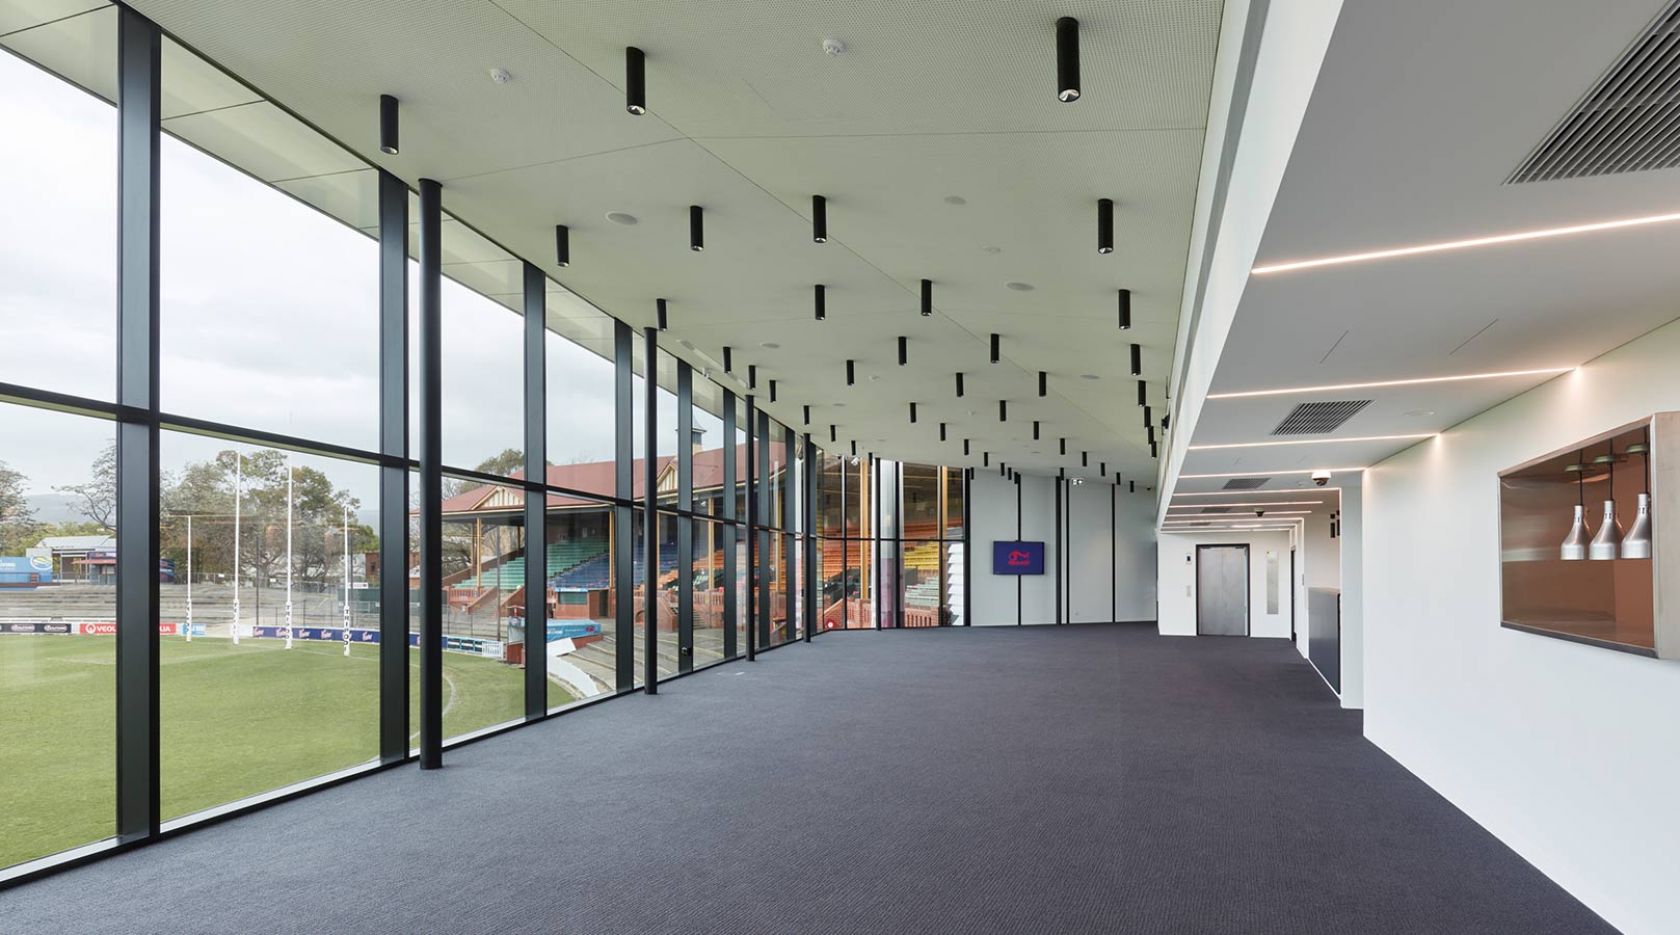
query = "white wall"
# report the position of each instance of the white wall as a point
(1350, 535)
(1569, 753)
(1177, 577)
(1130, 544)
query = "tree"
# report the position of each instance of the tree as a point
(510, 461)
(18, 529)
(97, 499)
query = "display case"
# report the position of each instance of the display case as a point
(1582, 541)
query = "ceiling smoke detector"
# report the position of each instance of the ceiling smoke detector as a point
(833, 47)
(500, 75)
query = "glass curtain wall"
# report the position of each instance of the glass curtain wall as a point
(292, 620)
(893, 539)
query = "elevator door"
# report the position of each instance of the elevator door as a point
(1222, 590)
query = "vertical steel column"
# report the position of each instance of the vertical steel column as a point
(431, 474)
(875, 505)
(790, 542)
(650, 511)
(762, 533)
(624, 472)
(536, 497)
(1058, 550)
(685, 519)
(752, 530)
(1018, 600)
(393, 469)
(808, 526)
(845, 551)
(139, 54)
(968, 550)
(731, 602)
(1113, 557)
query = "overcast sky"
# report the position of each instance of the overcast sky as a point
(269, 311)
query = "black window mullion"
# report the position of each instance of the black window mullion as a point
(430, 440)
(139, 56)
(808, 527)
(624, 621)
(685, 523)
(536, 498)
(751, 529)
(730, 602)
(650, 512)
(393, 470)
(789, 538)
(761, 534)
(968, 550)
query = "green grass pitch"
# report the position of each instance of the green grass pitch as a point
(236, 721)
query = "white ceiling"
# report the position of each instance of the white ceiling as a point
(749, 118)
(1420, 112)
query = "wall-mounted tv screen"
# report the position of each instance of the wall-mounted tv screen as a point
(1017, 558)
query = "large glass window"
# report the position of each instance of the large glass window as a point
(58, 259)
(483, 357)
(483, 583)
(269, 307)
(57, 626)
(581, 410)
(267, 665)
(708, 592)
(581, 601)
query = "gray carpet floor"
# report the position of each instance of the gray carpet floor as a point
(1072, 779)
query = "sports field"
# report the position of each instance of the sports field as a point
(236, 721)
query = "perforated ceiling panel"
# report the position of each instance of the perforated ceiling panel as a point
(936, 137)
(1628, 122)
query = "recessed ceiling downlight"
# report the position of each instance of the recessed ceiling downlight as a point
(1019, 286)
(621, 217)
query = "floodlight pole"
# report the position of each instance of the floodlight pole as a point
(189, 579)
(238, 484)
(346, 579)
(288, 550)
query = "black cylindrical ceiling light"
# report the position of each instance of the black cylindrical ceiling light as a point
(387, 124)
(941, 431)
(833, 433)
(562, 245)
(1125, 309)
(965, 447)
(851, 372)
(819, 219)
(1064, 447)
(696, 228)
(1035, 430)
(1084, 459)
(819, 299)
(997, 347)
(728, 360)
(1067, 60)
(1043, 383)
(660, 313)
(1137, 360)
(1151, 431)
(1105, 225)
(752, 376)
(1131, 486)
(1166, 422)
(772, 389)
(903, 350)
(1153, 451)
(854, 447)
(912, 413)
(807, 413)
(927, 298)
(1102, 468)
(1003, 410)
(1143, 393)
(985, 459)
(959, 384)
(1061, 473)
(1148, 417)
(635, 81)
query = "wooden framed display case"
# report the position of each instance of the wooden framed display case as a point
(1584, 552)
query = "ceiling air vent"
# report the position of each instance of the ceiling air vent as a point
(1245, 483)
(1319, 418)
(1216, 509)
(1627, 122)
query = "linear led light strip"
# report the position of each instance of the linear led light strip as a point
(1200, 516)
(1449, 245)
(1418, 381)
(1315, 441)
(1256, 493)
(1197, 506)
(1333, 470)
